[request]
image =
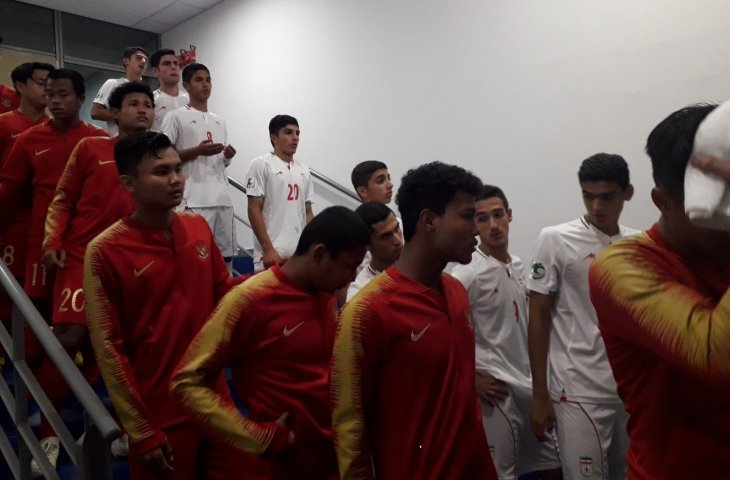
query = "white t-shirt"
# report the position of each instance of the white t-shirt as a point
(498, 300)
(102, 98)
(165, 103)
(362, 279)
(286, 188)
(579, 369)
(206, 181)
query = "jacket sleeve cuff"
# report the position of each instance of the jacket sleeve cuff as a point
(148, 443)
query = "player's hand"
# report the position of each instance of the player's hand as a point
(271, 258)
(229, 152)
(158, 460)
(490, 389)
(208, 148)
(713, 165)
(542, 417)
(54, 259)
(283, 422)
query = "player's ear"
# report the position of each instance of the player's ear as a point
(427, 218)
(661, 199)
(362, 192)
(509, 214)
(127, 182)
(115, 112)
(318, 252)
(628, 192)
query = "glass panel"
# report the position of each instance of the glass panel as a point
(27, 26)
(94, 78)
(101, 41)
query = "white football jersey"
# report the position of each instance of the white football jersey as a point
(498, 300)
(286, 187)
(579, 369)
(206, 180)
(363, 278)
(102, 98)
(164, 104)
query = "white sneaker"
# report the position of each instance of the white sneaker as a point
(50, 446)
(120, 446)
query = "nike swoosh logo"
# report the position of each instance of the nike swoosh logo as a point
(104, 162)
(289, 331)
(417, 336)
(278, 173)
(139, 272)
(41, 152)
(15, 135)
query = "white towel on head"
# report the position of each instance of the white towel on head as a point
(707, 196)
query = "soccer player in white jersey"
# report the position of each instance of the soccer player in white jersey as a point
(496, 284)
(371, 181)
(168, 97)
(386, 243)
(581, 398)
(201, 139)
(134, 60)
(280, 192)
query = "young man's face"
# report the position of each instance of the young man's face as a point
(379, 189)
(604, 202)
(455, 230)
(332, 274)
(136, 64)
(136, 113)
(61, 98)
(386, 240)
(199, 86)
(168, 71)
(287, 140)
(34, 89)
(159, 182)
(493, 221)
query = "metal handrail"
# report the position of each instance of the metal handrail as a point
(334, 184)
(26, 314)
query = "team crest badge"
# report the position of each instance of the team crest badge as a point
(251, 183)
(537, 271)
(202, 250)
(586, 466)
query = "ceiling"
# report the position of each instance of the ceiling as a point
(156, 16)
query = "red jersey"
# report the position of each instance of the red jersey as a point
(665, 321)
(88, 199)
(278, 340)
(403, 390)
(34, 166)
(147, 296)
(14, 235)
(9, 99)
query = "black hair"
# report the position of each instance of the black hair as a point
(363, 171)
(338, 228)
(158, 54)
(281, 121)
(189, 71)
(117, 96)
(24, 72)
(76, 79)
(129, 51)
(490, 191)
(605, 167)
(373, 212)
(132, 149)
(431, 186)
(670, 146)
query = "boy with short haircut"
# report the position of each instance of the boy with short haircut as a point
(402, 381)
(495, 282)
(276, 331)
(371, 182)
(580, 400)
(280, 192)
(134, 61)
(151, 280)
(201, 140)
(663, 305)
(168, 97)
(386, 243)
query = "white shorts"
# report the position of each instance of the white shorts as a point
(515, 450)
(220, 220)
(592, 439)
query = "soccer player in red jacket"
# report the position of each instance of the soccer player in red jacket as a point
(151, 280)
(663, 305)
(402, 383)
(276, 331)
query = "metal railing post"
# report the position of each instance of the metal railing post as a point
(21, 391)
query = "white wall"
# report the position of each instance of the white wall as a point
(518, 91)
